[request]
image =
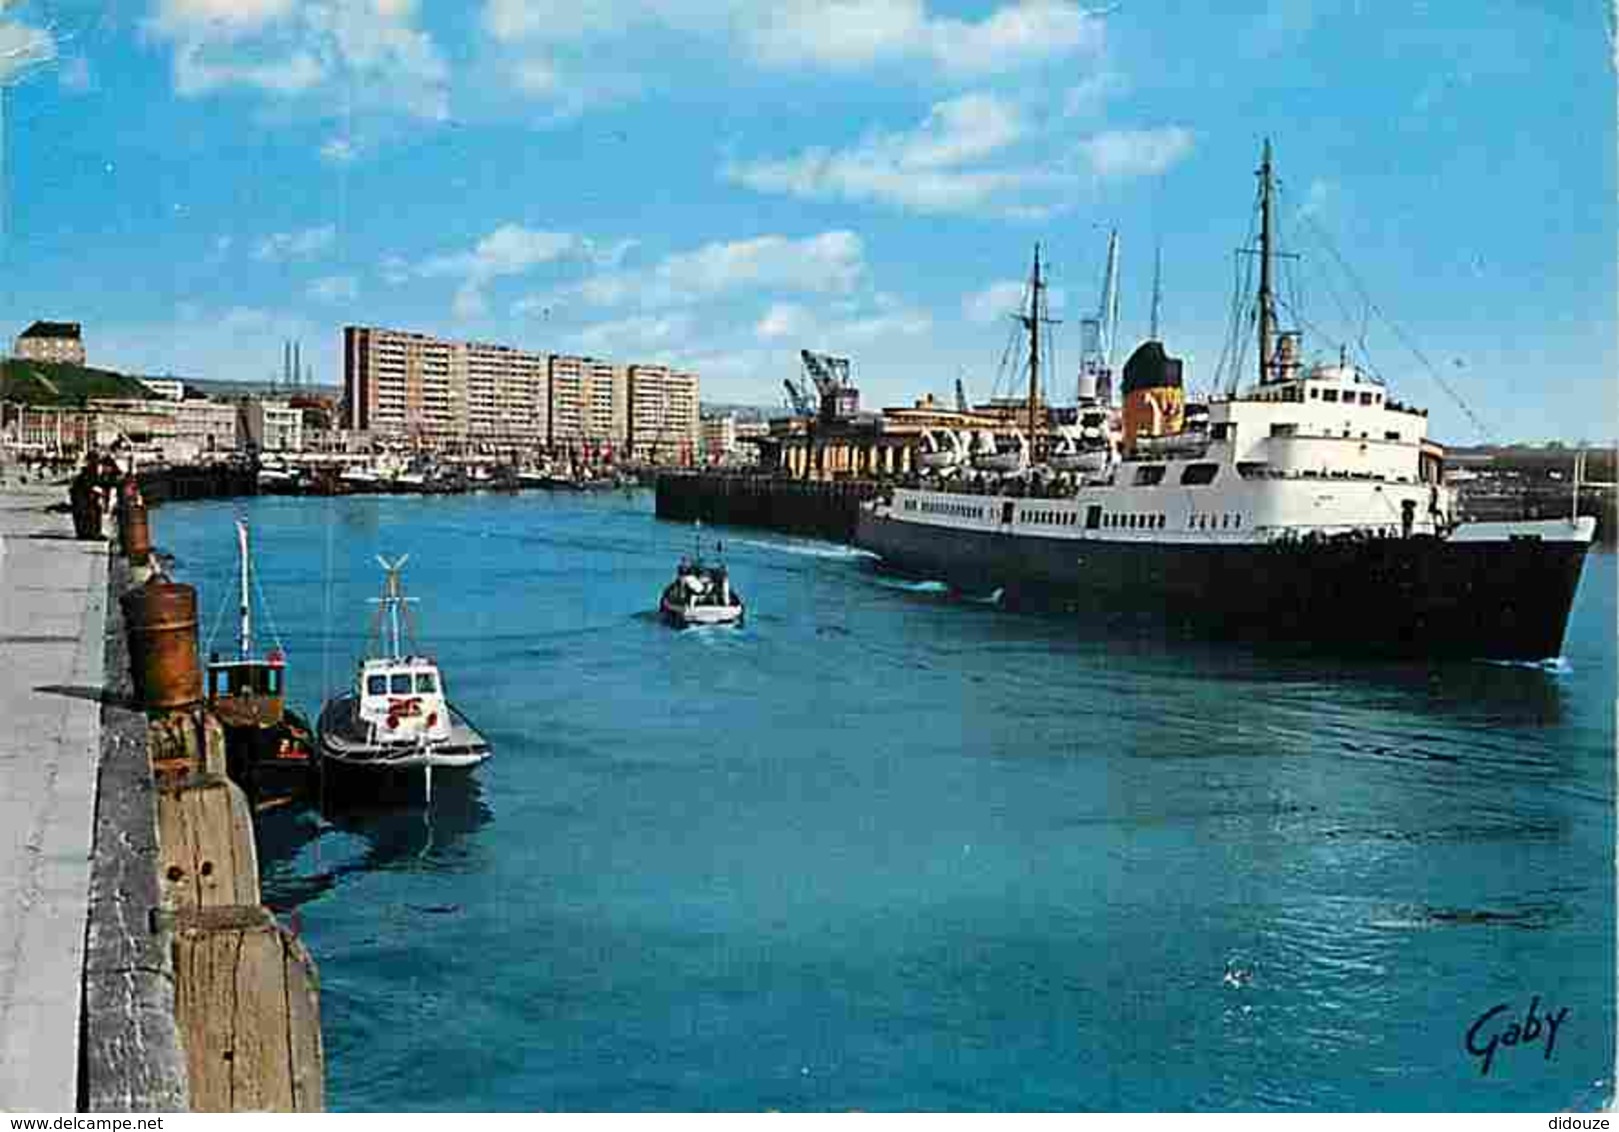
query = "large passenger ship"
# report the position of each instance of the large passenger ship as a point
(1309, 508)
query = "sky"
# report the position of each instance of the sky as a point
(718, 183)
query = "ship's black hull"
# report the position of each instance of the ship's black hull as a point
(1397, 597)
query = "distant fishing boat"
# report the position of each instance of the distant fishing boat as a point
(268, 745)
(701, 594)
(397, 716)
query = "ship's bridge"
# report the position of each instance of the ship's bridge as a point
(1332, 420)
(404, 697)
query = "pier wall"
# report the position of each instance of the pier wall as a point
(217, 481)
(825, 509)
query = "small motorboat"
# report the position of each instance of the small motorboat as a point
(268, 746)
(701, 594)
(397, 717)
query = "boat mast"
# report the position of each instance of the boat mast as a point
(245, 636)
(392, 600)
(1034, 346)
(1110, 303)
(1267, 309)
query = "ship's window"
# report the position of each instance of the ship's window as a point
(1329, 394)
(399, 684)
(1284, 430)
(1377, 398)
(376, 685)
(1225, 430)
(1163, 520)
(1391, 436)
(1149, 474)
(425, 682)
(1225, 521)
(1093, 516)
(1314, 393)
(1196, 474)
(1365, 398)
(1236, 520)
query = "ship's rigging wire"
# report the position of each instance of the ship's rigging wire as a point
(1399, 332)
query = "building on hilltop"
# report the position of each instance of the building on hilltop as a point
(52, 342)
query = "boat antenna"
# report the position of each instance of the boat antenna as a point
(1267, 302)
(245, 635)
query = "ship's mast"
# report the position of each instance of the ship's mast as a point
(1267, 309)
(1110, 299)
(1034, 345)
(245, 636)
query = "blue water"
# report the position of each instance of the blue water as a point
(881, 849)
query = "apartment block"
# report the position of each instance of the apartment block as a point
(663, 413)
(501, 394)
(398, 384)
(589, 403)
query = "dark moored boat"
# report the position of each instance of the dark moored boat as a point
(268, 746)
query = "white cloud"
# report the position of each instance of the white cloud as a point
(1116, 154)
(576, 57)
(884, 318)
(363, 56)
(23, 46)
(638, 335)
(307, 243)
(509, 250)
(339, 151)
(75, 76)
(831, 34)
(832, 262)
(334, 288)
(995, 302)
(933, 168)
(848, 34)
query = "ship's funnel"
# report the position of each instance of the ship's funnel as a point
(1154, 399)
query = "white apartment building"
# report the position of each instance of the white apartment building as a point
(273, 426)
(397, 384)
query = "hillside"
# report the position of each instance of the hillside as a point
(59, 383)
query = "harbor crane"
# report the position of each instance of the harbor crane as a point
(830, 375)
(798, 399)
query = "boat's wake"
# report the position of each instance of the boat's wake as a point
(1556, 665)
(809, 549)
(929, 586)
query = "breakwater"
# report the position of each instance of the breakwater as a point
(819, 508)
(210, 481)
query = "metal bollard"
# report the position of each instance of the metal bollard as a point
(162, 621)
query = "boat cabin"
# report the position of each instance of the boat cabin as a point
(403, 699)
(249, 692)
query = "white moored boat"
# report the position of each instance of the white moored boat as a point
(397, 716)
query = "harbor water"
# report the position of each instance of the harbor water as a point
(884, 848)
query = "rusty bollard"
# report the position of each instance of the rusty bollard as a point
(162, 621)
(133, 531)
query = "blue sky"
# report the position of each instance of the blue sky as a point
(717, 183)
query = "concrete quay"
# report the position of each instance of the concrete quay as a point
(53, 606)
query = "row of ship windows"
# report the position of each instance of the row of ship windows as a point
(959, 510)
(1134, 522)
(1207, 522)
